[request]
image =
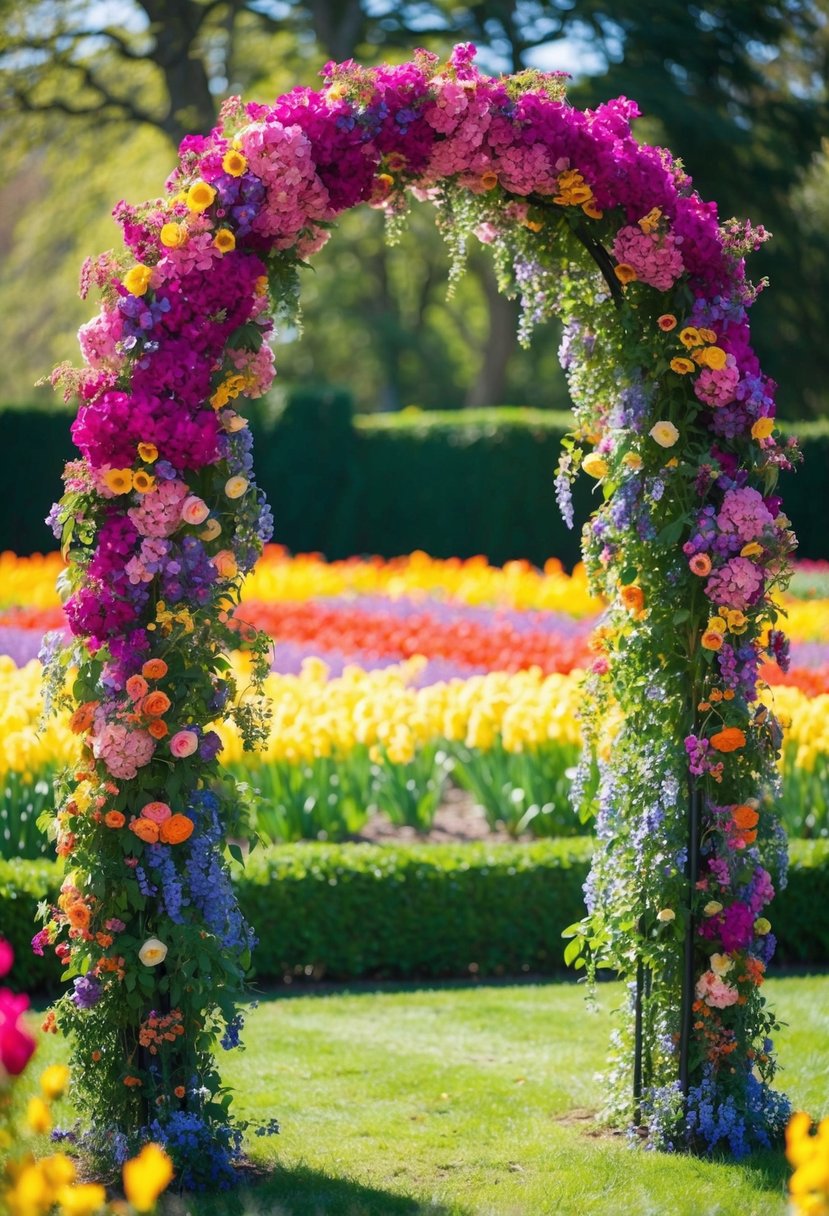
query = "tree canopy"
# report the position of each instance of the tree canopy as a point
(97, 98)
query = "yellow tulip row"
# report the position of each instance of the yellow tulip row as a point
(318, 717)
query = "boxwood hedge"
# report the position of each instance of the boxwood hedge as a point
(344, 912)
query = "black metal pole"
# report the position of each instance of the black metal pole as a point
(637, 1042)
(688, 975)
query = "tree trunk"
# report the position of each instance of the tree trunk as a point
(338, 25)
(490, 386)
(176, 27)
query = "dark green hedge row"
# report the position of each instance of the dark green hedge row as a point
(344, 912)
(453, 483)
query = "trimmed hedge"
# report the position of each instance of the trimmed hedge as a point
(344, 912)
(454, 483)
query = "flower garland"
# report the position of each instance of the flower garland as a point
(161, 518)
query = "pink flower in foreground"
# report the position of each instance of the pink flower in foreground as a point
(715, 992)
(123, 751)
(737, 584)
(156, 811)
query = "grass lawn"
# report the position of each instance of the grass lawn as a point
(476, 1100)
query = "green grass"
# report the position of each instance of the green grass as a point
(477, 1100)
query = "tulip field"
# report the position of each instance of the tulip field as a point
(393, 678)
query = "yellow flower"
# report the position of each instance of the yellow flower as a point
(651, 220)
(751, 550)
(690, 337)
(148, 452)
(173, 236)
(665, 915)
(54, 1080)
(37, 1116)
(712, 908)
(210, 530)
(673, 463)
(118, 480)
(762, 926)
(58, 1170)
(762, 428)
(200, 196)
(664, 433)
(713, 357)
(716, 625)
(721, 964)
(143, 482)
(595, 465)
(235, 487)
(625, 273)
(682, 366)
(737, 620)
(137, 279)
(234, 163)
(632, 460)
(81, 1200)
(152, 952)
(146, 1176)
(592, 211)
(708, 335)
(224, 240)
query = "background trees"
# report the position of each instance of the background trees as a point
(97, 97)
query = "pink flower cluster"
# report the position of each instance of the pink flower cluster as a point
(736, 584)
(745, 513)
(654, 256)
(717, 388)
(712, 989)
(159, 511)
(122, 749)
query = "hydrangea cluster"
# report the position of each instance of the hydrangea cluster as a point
(161, 519)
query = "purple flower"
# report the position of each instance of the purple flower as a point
(87, 991)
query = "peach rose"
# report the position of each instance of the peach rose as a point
(194, 510)
(137, 688)
(154, 669)
(225, 564)
(155, 704)
(157, 728)
(114, 819)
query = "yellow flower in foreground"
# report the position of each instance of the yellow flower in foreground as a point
(173, 236)
(148, 452)
(595, 465)
(234, 163)
(143, 481)
(762, 428)
(58, 1170)
(716, 625)
(200, 196)
(118, 480)
(81, 1200)
(137, 279)
(664, 433)
(146, 1176)
(54, 1080)
(224, 240)
(38, 1116)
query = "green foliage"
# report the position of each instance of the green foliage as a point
(346, 912)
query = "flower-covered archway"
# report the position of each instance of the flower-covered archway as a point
(161, 519)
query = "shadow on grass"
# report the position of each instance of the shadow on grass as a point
(303, 1191)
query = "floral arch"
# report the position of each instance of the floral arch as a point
(161, 519)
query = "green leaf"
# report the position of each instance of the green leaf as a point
(573, 949)
(236, 853)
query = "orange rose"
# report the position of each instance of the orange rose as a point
(154, 669)
(176, 829)
(155, 704)
(114, 819)
(745, 817)
(633, 598)
(137, 688)
(711, 640)
(145, 830)
(78, 915)
(157, 728)
(83, 717)
(730, 739)
(179, 1091)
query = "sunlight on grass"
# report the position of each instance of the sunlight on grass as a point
(477, 1100)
